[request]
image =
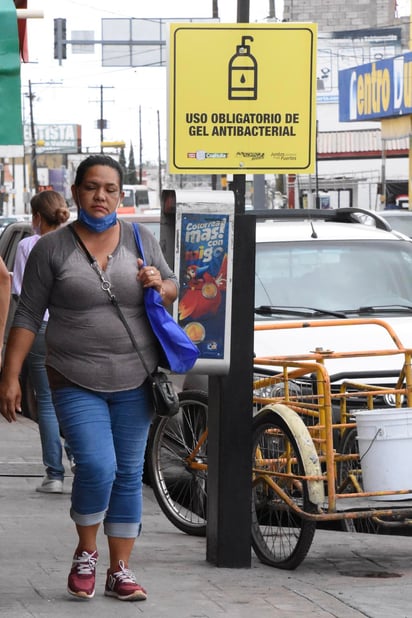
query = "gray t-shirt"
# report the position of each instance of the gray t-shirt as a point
(86, 341)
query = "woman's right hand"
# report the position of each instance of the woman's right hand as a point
(18, 346)
(10, 398)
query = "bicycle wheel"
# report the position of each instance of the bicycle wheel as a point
(349, 446)
(177, 463)
(280, 537)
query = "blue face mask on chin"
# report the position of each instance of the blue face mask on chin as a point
(97, 224)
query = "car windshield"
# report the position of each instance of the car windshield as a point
(334, 276)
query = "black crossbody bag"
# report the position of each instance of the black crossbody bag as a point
(165, 399)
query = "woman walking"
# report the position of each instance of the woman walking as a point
(98, 382)
(49, 211)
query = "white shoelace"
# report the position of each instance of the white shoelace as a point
(125, 575)
(86, 563)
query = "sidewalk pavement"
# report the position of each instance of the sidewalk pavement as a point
(344, 575)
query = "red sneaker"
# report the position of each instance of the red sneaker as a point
(82, 575)
(122, 585)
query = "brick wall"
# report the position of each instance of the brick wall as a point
(333, 15)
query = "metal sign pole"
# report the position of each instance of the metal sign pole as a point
(230, 403)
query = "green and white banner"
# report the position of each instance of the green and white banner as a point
(11, 131)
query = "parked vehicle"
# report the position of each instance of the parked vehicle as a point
(9, 239)
(400, 220)
(320, 264)
(136, 197)
(5, 221)
(11, 236)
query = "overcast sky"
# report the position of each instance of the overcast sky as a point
(76, 96)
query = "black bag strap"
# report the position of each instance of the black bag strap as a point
(107, 287)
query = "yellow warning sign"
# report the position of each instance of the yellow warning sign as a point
(242, 98)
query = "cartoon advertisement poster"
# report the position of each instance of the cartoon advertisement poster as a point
(204, 267)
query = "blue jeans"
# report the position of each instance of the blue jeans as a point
(48, 425)
(107, 433)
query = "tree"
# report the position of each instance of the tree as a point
(122, 163)
(131, 169)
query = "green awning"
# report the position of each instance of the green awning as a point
(11, 131)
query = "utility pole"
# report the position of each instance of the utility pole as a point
(33, 147)
(101, 123)
(140, 147)
(102, 126)
(159, 153)
(33, 143)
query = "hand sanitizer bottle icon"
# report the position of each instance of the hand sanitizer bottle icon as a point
(242, 83)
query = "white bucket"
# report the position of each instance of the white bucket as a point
(385, 449)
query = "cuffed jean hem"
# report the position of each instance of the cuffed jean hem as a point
(89, 519)
(122, 530)
(53, 476)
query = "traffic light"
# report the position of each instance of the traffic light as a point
(60, 39)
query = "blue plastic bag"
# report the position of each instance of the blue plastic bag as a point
(178, 352)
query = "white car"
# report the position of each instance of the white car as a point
(319, 265)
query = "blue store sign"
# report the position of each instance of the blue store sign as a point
(376, 90)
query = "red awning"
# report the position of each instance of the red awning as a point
(21, 24)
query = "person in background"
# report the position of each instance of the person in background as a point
(99, 385)
(49, 212)
(4, 302)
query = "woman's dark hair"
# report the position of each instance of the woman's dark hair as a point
(51, 206)
(98, 159)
